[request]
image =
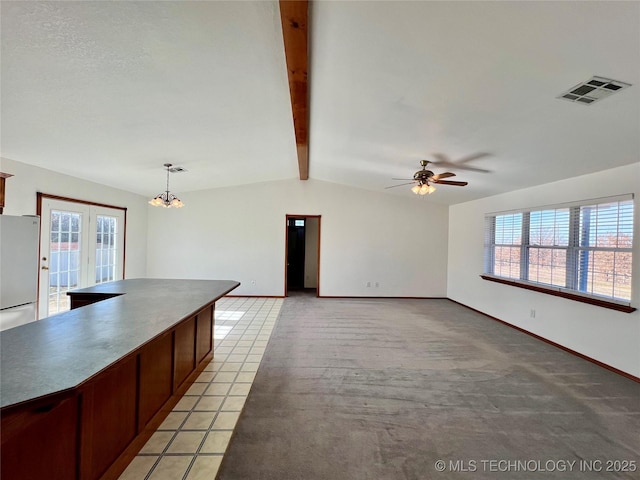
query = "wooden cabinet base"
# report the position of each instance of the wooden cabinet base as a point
(121, 463)
(156, 368)
(108, 417)
(94, 430)
(39, 436)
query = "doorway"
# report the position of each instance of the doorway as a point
(302, 254)
(81, 245)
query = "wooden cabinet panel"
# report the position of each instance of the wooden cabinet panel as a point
(108, 417)
(155, 377)
(41, 441)
(78, 300)
(184, 351)
(204, 333)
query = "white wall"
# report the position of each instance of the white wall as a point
(605, 335)
(239, 233)
(21, 192)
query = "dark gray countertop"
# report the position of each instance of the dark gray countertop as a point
(62, 351)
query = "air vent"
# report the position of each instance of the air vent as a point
(177, 169)
(593, 90)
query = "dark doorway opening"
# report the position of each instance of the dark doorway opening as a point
(295, 253)
(302, 254)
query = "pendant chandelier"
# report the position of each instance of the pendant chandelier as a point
(166, 199)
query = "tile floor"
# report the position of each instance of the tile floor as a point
(190, 443)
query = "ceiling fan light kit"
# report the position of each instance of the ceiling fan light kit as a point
(424, 189)
(167, 199)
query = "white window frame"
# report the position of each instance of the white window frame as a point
(574, 286)
(90, 210)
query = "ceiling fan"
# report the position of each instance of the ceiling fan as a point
(423, 180)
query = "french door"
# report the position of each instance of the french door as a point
(80, 245)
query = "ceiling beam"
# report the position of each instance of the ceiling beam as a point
(294, 15)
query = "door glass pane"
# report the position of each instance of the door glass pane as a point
(64, 264)
(106, 251)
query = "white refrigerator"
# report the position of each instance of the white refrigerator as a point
(19, 238)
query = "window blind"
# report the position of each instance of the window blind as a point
(584, 247)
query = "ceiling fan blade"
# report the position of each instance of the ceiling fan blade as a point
(445, 161)
(471, 157)
(442, 159)
(451, 182)
(400, 185)
(443, 175)
(472, 169)
(402, 179)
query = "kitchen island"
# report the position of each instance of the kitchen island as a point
(81, 391)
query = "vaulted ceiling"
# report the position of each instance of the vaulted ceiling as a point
(109, 91)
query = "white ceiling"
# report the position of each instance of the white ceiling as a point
(109, 91)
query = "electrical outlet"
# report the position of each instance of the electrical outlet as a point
(253, 282)
(532, 314)
(377, 284)
(368, 284)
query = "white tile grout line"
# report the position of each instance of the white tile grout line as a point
(253, 317)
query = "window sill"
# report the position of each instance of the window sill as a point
(561, 293)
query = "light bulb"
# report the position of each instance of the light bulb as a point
(424, 189)
(415, 189)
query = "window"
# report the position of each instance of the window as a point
(107, 254)
(548, 246)
(583, 248)
(81, 244)
(507, 245)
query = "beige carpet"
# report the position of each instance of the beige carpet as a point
(385, 389)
